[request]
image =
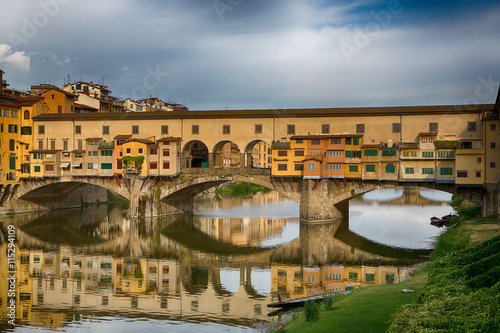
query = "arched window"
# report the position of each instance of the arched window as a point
(26, 114)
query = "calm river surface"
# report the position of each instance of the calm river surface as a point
(94, 269)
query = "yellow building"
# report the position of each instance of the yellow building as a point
(59, 101)
(288, 157)
(370, 161)
(353, 156)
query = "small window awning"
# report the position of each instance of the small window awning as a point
(76, 165)
(64, 165)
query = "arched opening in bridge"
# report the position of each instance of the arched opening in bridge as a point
(258, 155)
(195, 155)
(226, 154)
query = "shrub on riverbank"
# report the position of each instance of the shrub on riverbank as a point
(462, 294)
(241, 190)
(465, 208)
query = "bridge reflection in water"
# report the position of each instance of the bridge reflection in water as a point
(96, 262)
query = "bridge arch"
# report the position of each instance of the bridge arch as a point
(194, 154)
(226, 154)
(257, 154)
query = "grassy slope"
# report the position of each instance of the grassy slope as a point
(370, 309)
(366, 310)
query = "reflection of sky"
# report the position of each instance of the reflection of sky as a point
(435, 195)
(289, 232)
(400, 226)
(282, 209)
(383, 194)
(261, 280)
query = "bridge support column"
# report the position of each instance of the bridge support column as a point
(491, 201)
(319, 201)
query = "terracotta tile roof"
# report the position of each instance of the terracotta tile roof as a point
(122, 136)
(93, 139)
(428, 134)
(44, 151)
(170, 138)
(58, 90)
(326, 136)
(141, 141)
(370, 145)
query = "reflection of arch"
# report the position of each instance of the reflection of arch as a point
(195, 155)
(258, 154)
(226, 155)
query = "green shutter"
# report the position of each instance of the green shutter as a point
(409, 171)
(12, 162)
(355, 141)
(370, 152)
(390, 169)
(37, 168)
(370, 168)
(12, 144)
(353, 168)
(348, 153)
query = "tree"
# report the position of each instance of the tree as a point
(311, 310)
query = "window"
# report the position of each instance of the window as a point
(78, 155)
(353, 276)
(299, 167)
(226, 129)
(37, 168)
(348, 141)
(353, 168)
(282, 167)
(335, 153)
(40, 145)
(446, 154)
(427, 154)
(492, 165)
(478, 174)
(433, 127)
(12, 128)
(370, 277)
(195, 129)
(258, 129)
(335, 167)
(166, 165)
(299, 153)
(371, 152)
(479, 159)
(166, 152)
(282, 153)
(390, 168)
(290, 129)
(353, 153)
(409, 171)
(153, 151)
(164, 129)
(413, 153)
(78, 129)
(389, 152)
(128, 150)
(360, 128)
(493, 127)
(299, 141)
(49, 167)
(105, 130)
(106, 152)
(493, 145)
(135, 129)
(12, 162)
(389, 278)
(466, 145)
(140, 150)
(355, 141)
(53, 144)
(471, 126)
(106, 166)
(26, 130)
(12, 144)
(41, 129)
(370, 168)
(315, 142)
(396, 127)
(325, 129)
(462, 174)
(336, 141)
(26, 114)
(427, 171)
(311, 166)
(153, 165)
(446, 171)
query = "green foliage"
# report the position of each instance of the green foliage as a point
(453, 239)
(242, 190)
(461, 295)
(327, 302)
(137, 160)
(463, 210)
(311, 311)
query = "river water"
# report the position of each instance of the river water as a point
(95, 269)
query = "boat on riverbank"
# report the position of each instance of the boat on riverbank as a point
(298, 302)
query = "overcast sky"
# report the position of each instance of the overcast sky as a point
(246, 54)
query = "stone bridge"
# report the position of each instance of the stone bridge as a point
(320, 200)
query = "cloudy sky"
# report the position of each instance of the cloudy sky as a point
(241, 54)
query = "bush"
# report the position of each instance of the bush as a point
(311, 311)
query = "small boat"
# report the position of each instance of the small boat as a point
(298, 302)
(436, 221)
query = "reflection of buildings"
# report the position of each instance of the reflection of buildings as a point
(261, 155)
(299, 281)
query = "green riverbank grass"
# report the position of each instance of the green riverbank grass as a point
(367, 309)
